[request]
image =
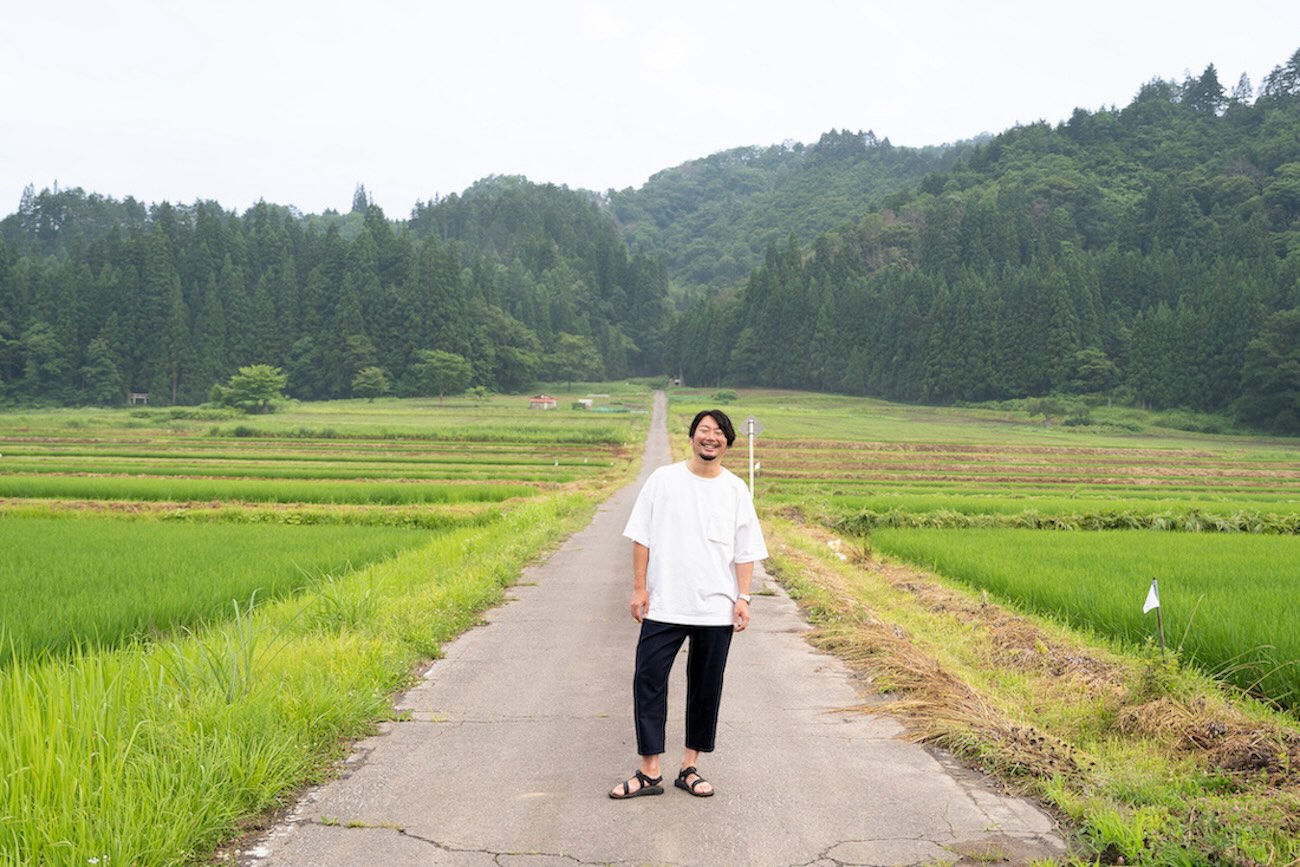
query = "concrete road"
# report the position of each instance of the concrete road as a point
(517, 734)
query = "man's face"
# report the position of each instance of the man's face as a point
(709, 442)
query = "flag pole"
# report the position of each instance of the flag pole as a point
(750, 422)
(1153, 601)
(1160, 617)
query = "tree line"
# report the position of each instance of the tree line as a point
(512, 280)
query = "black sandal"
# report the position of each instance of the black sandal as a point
(648, 786)
(681, 783)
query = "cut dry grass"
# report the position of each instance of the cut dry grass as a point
(1144, 761)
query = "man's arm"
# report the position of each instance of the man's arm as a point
(744, 578)
(640, 604)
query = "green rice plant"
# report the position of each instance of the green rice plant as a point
(541, 474)
(1014, 502)
(407, 517)
(445, 517)
(503, 418)
(796, 415)
(82, 580)
(370, 451)
(109, 756)
(1189, 520)
(254, 490)
(458, 424)
(1225, 599)
(532, 471)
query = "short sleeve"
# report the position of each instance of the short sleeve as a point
(750, 546)
(639, 522)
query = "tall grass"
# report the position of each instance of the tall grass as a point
(152, 753)
(1228, 601)
(80, 580)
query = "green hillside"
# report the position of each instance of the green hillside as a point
(1149, 254)
(711, 219)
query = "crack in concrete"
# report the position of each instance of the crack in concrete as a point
(505, 720)
(444, 847)
(496, 856)
(822, 858)
(826, 858)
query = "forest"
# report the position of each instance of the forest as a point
(99, 298)
(1148, 255)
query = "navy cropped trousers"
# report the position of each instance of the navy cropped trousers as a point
(706, 660)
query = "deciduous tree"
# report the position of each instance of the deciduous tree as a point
(255, 388)
(370, 383)
(442, 373)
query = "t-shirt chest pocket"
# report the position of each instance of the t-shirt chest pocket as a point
(720, 530)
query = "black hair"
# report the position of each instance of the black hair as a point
(720, 418)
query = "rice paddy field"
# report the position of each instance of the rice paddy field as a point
(98, 508)
(854, 456)
(1228, 600)
(197, 610)
(104, 582)
(1072, 522)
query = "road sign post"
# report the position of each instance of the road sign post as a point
(753, 428)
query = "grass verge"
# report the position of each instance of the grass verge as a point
(156, 752)
(1143, 761)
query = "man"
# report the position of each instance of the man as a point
(695, 540)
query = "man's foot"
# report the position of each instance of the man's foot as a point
(638, 785)
(690, 780)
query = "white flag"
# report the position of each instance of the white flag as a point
(1153, 598)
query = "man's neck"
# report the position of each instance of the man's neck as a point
(704, 469)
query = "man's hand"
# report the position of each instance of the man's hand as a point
(640, 604)
(740, 615)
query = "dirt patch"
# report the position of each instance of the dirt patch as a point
(961, 448)
(1002, 849)
(1226, 741)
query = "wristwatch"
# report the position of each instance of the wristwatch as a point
(744, 596)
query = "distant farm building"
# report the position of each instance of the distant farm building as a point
(543, 401)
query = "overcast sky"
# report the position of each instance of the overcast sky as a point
(298, 102)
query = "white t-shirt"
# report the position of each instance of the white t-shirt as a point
(697, 530)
